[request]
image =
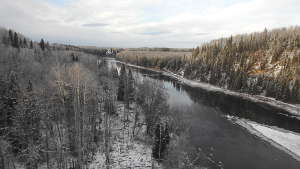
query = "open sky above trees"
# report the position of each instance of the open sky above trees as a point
(140, 23)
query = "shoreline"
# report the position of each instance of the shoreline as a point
(249, 126)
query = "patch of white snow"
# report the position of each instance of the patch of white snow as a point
(285, 140)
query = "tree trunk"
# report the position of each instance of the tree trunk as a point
(2, 164)
(47, 149)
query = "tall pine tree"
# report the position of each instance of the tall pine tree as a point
(25, 43)
(42, 44)
(122, 83)
(15, 42)
(157, 146)
(31, 44)
(161, 141)
(130, 86)
(11, 37)
(27, 128)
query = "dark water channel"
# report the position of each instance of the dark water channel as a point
(227, 142)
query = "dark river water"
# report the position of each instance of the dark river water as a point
(225, 141)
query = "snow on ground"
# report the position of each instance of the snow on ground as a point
(126, 152)
(99, 161)
(277, 70)
(283, 139)
(293, 110)
(287, 139)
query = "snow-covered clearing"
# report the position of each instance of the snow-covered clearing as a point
(126, 151)
(283, 139)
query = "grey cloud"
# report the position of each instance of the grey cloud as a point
(94, 25)
(153, 33)
(116, 32)
(201, 34)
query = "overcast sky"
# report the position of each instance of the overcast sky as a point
(141, 23)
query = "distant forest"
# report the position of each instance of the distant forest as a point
(266, 63)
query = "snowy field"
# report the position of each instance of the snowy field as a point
(283, 139)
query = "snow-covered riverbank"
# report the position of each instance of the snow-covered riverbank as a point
(290, 109)
(284, 140)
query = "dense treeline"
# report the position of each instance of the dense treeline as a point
(100, 52)
(110, 52)
(258, 63)
(16, 40)
(162, 49)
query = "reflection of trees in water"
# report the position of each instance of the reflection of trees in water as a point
(176, 85)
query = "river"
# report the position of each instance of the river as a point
(221, 139)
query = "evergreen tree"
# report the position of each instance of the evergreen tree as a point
(42, 44)
(161, 141)
(21, 45)
(109, 106)
(9, 103)
(27, 140)
(130, 86)
(10, 37)
(114, 73)
(16, 41)
(122, 83)
(296, 91)
(195, 52)
(157, 146)
(74, 59)
(31, 44)
(166, 137)
(25, 43)
(5, 40)
(12, 97)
